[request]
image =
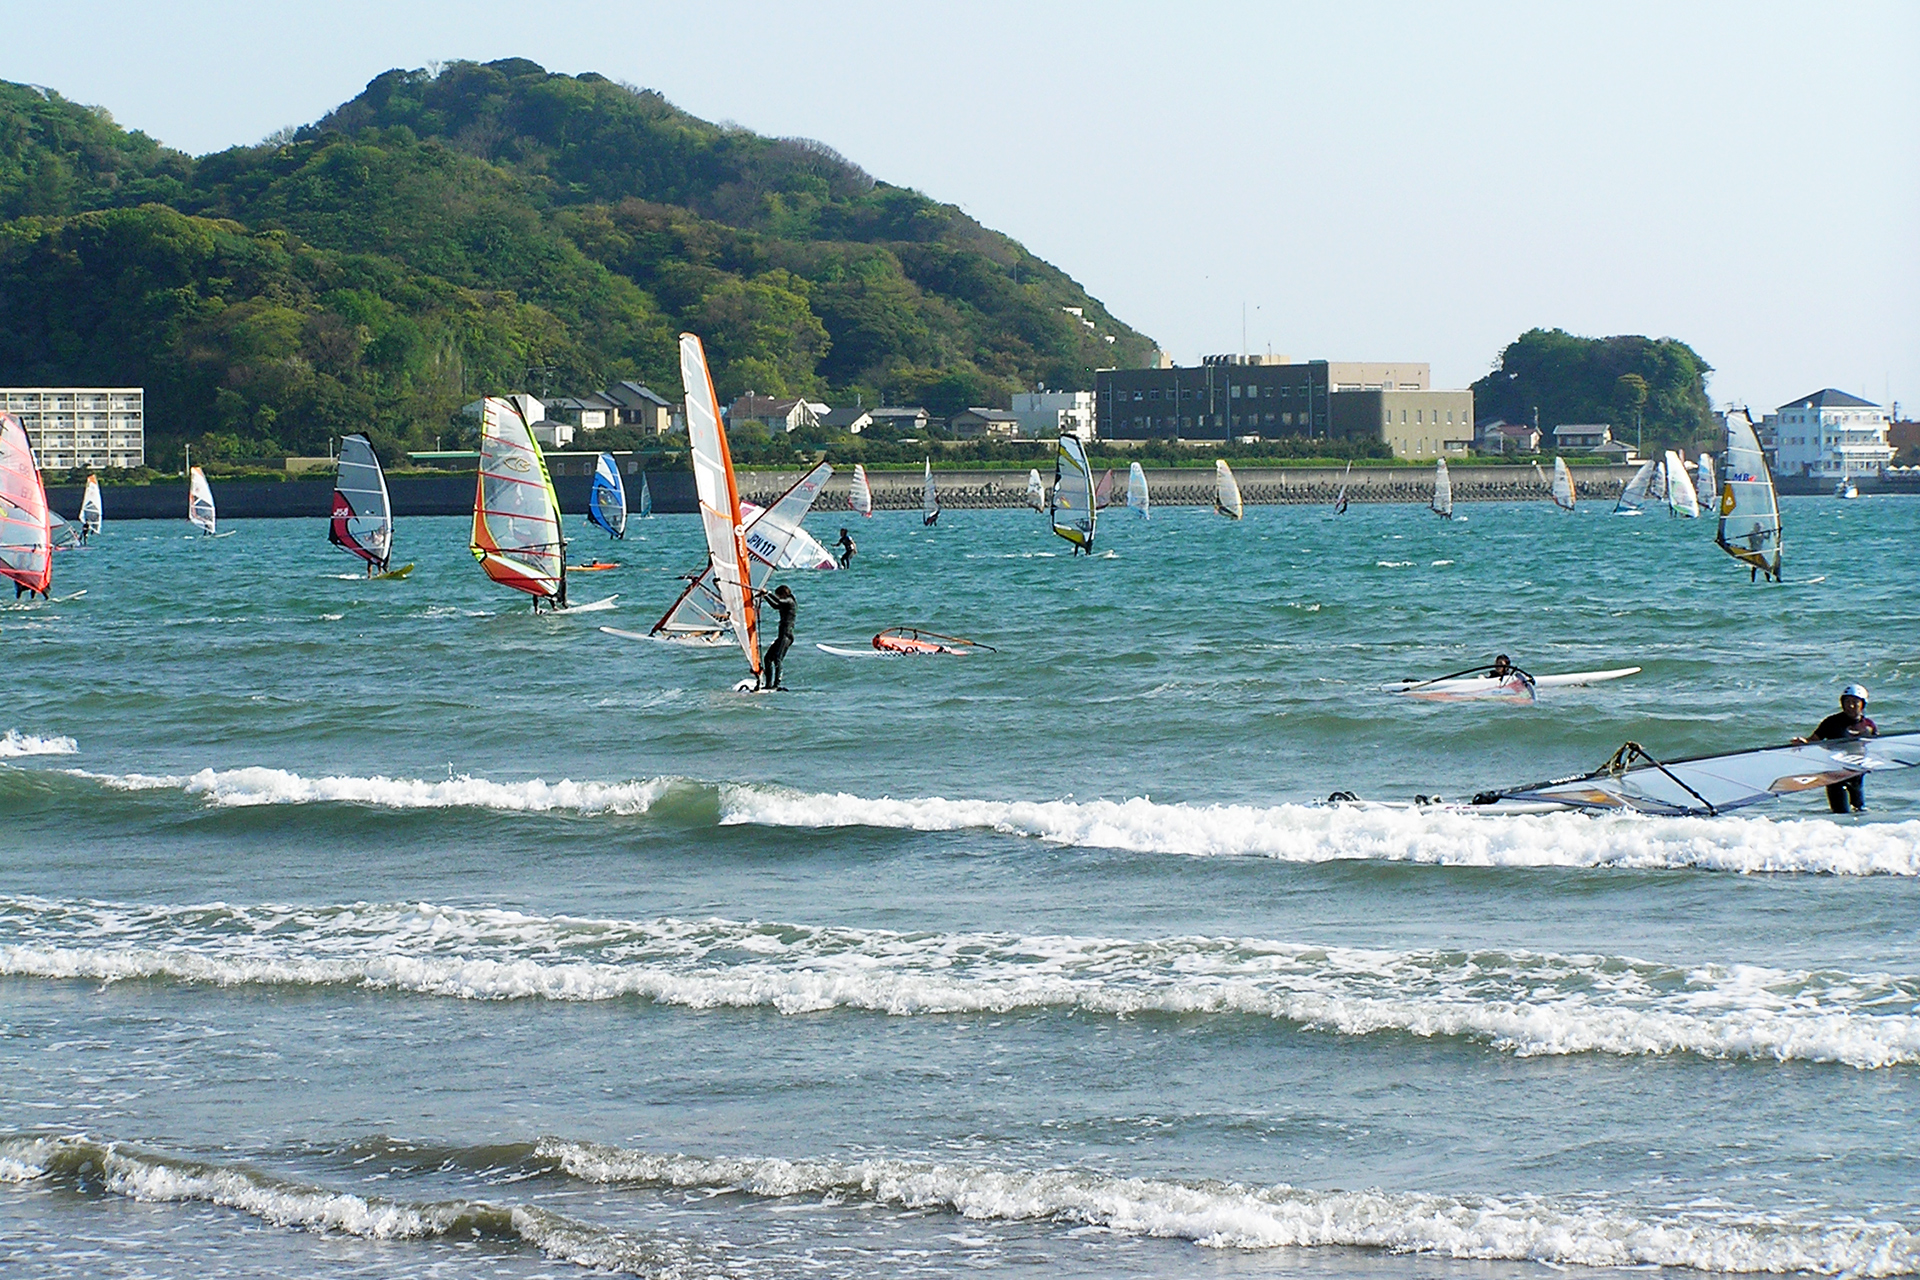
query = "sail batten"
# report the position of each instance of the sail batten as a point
(1226, 491)
(362, 520)
(26, 534)
(607, 500)
(1072, 507)
(1750, 529)
(517, 537)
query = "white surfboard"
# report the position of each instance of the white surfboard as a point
(594, 606)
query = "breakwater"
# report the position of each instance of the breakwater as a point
(452, 494)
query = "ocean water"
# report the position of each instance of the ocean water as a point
(384, 929)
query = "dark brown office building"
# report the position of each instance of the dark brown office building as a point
(1223, 398)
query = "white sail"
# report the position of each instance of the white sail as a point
(90, 511)
(1340, 500)
(1750, 528)
(774, 540)
(362, 520)
(1442, 491)
(1071, 510)
(860, 493)
(200, 500)
(719, 497)
(1137, 499)
(1657, 482)
(1714, 784)
(1562, 485)
(1681, 500)
(1706, 486)
(775, 535)
(1634, 496)
(929, 503)
(516, 538)
(1226, 491)
(1036, 491)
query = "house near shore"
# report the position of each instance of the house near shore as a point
(978, 423)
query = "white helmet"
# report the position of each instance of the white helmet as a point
(1855, 691)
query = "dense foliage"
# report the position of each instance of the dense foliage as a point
(486, 228)
(1567, 379)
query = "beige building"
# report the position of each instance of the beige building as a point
(1375, 375)
(81, 426)
(1417, 424)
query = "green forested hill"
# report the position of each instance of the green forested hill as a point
(1561, 378)
(443, 233)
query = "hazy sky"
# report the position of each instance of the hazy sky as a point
(1368, 181)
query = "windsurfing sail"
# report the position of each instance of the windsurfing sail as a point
(1562, 485)
(26, 539)
(607, 500)
(1750, 529)
(646, 498)
(1681, 499)
(1442, 491)
(929, 504)
(1707, 488)
(61, 532)
(860, 493)
(1634, 496)
(774, 540)
(362, 513)
(1072, 510)
(1340, 502)
(200, 500)
(1103, 492)
(1036, 490)
(1137, 499)
(1226, 491)
(1633, 779)
(516, 517)
(90, 507)
(719, 495)
(1657, 482)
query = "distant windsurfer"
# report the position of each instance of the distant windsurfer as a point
(846, 548)
(1850, 721)
(931, 518)
(784, 604)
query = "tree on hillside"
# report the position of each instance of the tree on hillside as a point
(1572, 379)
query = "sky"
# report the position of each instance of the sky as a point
(1343, 181)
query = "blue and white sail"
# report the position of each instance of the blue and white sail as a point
(1137, 498)
(607, 501)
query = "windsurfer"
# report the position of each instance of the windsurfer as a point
(931, 518)
(1850, 721)
(846, 548)
(1501, 668)
(784, 604)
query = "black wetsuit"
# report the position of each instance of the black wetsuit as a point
(782, 640)
(846, 545)
(1853, 792)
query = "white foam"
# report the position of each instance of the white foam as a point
(1317, 833)
(1234, 1216)
(14, 743)
(257, 786)
(1525, 1003)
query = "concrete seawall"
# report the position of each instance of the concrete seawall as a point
(452, 494)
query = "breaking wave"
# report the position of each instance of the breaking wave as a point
(257, 786)
(82, 1164)
(14, 743)
(1519, 1002)
(1317, 833)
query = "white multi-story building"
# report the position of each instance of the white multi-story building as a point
(1829, 434)
(81, 426)
(1054, 413)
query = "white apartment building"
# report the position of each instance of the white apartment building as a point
(81, 426)
(1829, 434)
(1045, 414)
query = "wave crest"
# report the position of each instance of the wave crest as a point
(14, 744)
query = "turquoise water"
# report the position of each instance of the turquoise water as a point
(383, 928)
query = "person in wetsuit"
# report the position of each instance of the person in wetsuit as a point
(781, 598)
(846, 548)
(1501, 668)
(1850, 721)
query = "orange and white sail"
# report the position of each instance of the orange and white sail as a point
(516, 517)
(90, 510)
(719, 497)
(26, 535)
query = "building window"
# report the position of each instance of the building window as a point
(1233, 392)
